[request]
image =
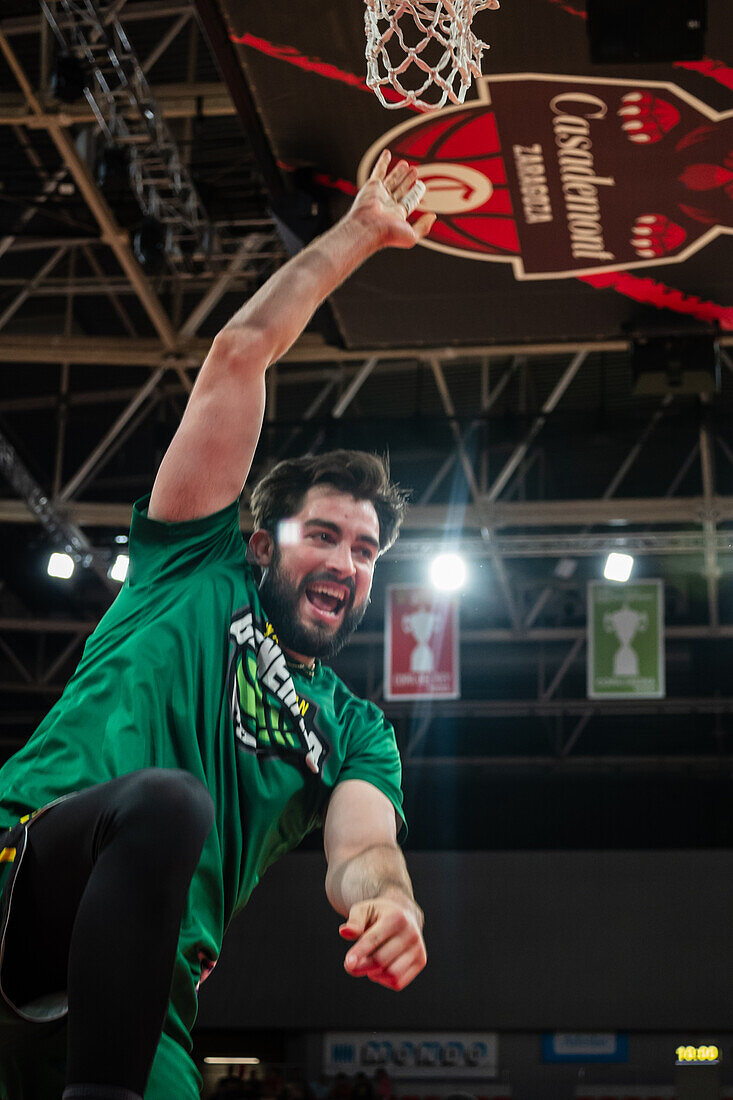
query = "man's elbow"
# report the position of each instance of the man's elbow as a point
(237, 349)
(334, 880)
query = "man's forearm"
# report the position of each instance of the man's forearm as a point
(281, 309)
(376, 872)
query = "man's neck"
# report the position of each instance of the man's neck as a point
(300, 658)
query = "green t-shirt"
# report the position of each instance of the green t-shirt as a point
(184, 671)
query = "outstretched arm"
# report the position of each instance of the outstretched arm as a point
(210, 455)
(367, 882)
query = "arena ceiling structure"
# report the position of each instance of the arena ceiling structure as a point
(508, 367)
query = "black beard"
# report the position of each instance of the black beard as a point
(280, 600)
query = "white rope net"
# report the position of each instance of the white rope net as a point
(424, 49)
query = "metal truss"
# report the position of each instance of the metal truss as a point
(128, 115)
(498, 524)
(658, 543)
(64, 534)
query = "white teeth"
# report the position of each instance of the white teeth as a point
(632, 126)
(645, 253)
(639, 138)
(631, 97)
(642, 231)
(630, 110)
(646, 219)
(326, 590)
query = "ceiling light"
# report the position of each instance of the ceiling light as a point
(61, 566)
(149, 245)
(618, 567)
(118, 571)
(69, 77)
(565, 568)
(233, 1061)
(448, 572)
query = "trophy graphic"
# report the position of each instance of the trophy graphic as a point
(421, 624)
(625, 623)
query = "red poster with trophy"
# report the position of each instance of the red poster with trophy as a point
(421, 643)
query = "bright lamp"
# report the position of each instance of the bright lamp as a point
(60, 566)
(618, 567)
(448, 572)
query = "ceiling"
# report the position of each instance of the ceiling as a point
(508, 405)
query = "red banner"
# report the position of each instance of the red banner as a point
(421, 644)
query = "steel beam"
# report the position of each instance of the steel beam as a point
(364, 638)
(111, 232)
(149, 353)
(549, 406)
(151, 9)
(249, 246)
(164, 42)
(487, 533)
(611, 763)
(63, 532)
(353, 388)
(488, 401)
(534, 708)
(610, 490)
(522, 514)
(559, 676)
(38, 278)
(176, 101)
(81, 475)
(709, 517)
(114, 300)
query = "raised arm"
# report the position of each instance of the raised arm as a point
(210, 455)
(367, 882)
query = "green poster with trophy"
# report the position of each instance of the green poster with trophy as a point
(626, 640)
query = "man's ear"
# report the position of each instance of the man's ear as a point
(260, 548)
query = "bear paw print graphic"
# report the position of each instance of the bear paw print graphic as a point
(646, 118)
(655, 235)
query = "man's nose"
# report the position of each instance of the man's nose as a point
(340, 559)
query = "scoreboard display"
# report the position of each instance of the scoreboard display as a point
(693, 1055)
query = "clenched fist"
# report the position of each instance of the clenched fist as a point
(389, 947)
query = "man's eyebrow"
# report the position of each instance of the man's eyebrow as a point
(337, 530)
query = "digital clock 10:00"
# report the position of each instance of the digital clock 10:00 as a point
(689, 1054)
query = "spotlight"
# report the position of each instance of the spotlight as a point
(448, 572)
(618, 567)
(69, 78)
(149, 244)
(112, 170)
(565, 568)
(118, 570)
(61, 566)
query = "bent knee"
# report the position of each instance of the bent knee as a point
(172, 799)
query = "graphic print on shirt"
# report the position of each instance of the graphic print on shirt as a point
(269, 718)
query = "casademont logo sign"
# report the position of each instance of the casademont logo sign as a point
(564, 176)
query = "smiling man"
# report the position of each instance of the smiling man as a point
(201, 737)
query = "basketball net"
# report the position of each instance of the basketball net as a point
(427, 28)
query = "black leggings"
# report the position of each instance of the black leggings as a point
(97, 911)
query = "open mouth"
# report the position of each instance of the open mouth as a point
(327, 601)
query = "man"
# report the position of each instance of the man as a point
(200, 737)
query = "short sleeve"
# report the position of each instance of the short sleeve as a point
(372, 755)
(160, 551)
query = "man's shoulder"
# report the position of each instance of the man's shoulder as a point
(347, 702)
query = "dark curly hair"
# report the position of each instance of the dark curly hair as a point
(280, 493)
